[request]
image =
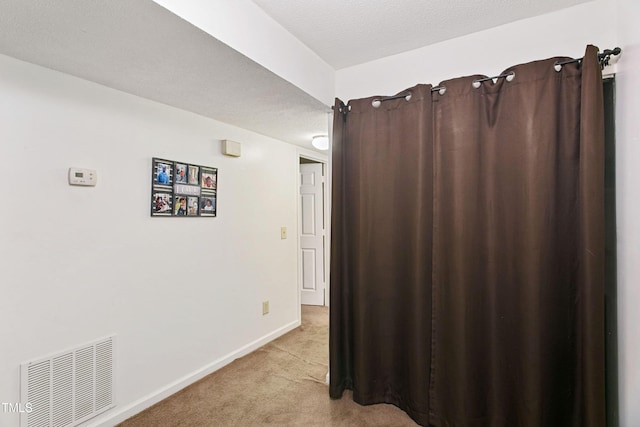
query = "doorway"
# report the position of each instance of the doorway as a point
(312, 231)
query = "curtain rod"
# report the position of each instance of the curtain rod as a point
(603, 59)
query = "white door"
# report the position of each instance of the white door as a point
(312, 234)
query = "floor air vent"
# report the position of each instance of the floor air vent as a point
(68, 388)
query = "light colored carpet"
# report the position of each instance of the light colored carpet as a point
(280, 384)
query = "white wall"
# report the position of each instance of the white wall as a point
(183, 295)
(566, 32)
(628, 209)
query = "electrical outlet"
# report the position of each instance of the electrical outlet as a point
(283, 232)
(265, 307)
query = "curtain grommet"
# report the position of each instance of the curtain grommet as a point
(476, 84)
(511, 76)
(408, 97)
(557, 67)
(442, 90)
(376, 103)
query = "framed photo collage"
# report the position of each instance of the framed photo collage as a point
(183, 189)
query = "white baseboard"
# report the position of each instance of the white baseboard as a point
(118, 415)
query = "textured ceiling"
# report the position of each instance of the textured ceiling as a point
(350, 32)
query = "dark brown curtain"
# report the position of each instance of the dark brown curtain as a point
(467, 263)
(381, 232)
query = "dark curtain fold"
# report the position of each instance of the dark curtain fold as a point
(518, 249)
(381, 233)
(467, 264)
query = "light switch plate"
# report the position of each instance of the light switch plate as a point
(283, 233)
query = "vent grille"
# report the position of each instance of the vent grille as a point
(62, 405)
(70, 387)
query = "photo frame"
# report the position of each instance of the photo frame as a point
(209, 178)
(161, 203)
(181, 189)
(182, 173)
(208, 205)
(209, 191)
(193, 207)
(194, 175)
(162, 173)
(179, 205)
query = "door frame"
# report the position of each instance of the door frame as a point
(324, 159)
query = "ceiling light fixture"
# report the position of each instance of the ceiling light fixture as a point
(321, 142)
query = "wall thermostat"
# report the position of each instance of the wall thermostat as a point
(87, 177)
